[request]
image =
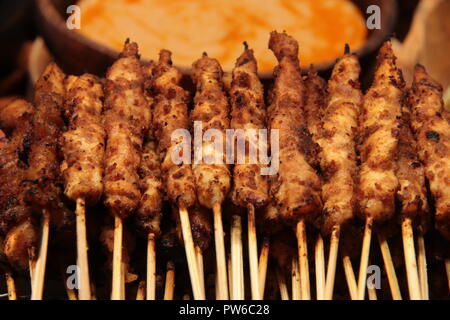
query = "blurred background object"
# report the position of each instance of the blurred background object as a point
(428, 43)
(194, 26)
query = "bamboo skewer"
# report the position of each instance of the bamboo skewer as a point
(364, 258)
(447, 270)
(303, 259)
(282, 285)
(230, 280)
(422, 264)
(296, 284)
(82, 251)
(190, 255)
(71, 293)
(253, 253)
(372, 293)
(320, 268)
(32, 262)
(39, 273)
(237, 265)
(140, 294)
(263, 261)
(350, 276)
(332, 260)
(151, 268)
(220, 253)
(390, 269)
(410, 260)
(170, 281)
(201, 272)
(11, 286)
(117, 277)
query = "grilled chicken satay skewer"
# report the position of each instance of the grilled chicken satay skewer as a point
(412, 193)
(171, 114)
(296, 188)
(15, 223)
(210, 169)
(250, 188)
(43, 184)
(127, 120)
(148, 215)
(380, 136)
(83, 146)
(337, 136)
(315, 103)
(432, 131)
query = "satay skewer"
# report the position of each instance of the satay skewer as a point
(250, 188)
(140, 294)
(82, 168)
(447, 270)
(332, 261)
(41, 261)
(284, 293)
(410, 260)
(380, 128)
(117, 272)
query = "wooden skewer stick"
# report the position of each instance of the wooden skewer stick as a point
(332, 260)
(364, 258)
(201, 272)
(237, 266)
(220, 253)
(372, 292)
(230, 280)
(140, 294)
(151, 267)
(170, 281)
(320, 268)
(39, 273)
(303, 259)
(11, 286)
(447, 269)
(282, 285)
(350, 276)
(253, 253)
(117, 277)
(389, 266)
(82, 251)
(263, 261)
(410, 260)
(32, 262)
(296, 286)
(190, 255)
(71, 293)
(422, 264)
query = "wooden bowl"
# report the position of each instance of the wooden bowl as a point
(77, 54)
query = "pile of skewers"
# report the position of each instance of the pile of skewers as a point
(347, 164)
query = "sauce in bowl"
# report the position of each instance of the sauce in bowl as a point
(190, 27)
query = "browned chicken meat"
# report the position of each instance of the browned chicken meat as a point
(338, 143)
(83, 144)
(171, 114)
(44, 180)
(248, 113)
(380, 130)
(296, 188)
(432, 132)
(412, 192)
(127, 120)
(13, 111)
(211, 112)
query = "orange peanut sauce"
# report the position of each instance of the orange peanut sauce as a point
(190, 27)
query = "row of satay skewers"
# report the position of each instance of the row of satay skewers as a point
(341, 154)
